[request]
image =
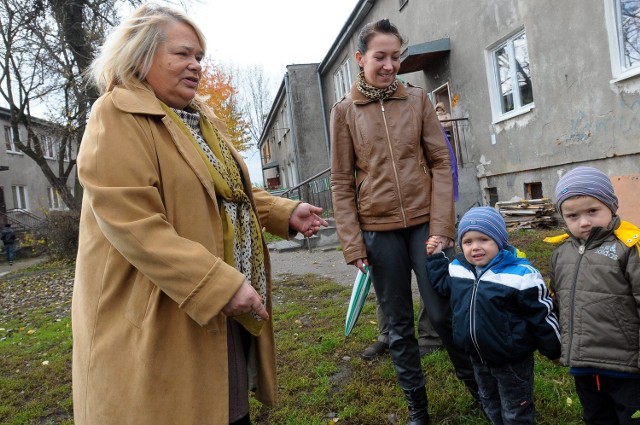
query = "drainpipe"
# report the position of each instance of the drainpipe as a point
(294, 144)
(325, 126)
(264, 181)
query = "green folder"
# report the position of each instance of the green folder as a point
(359, 293)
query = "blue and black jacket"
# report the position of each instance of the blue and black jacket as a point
(501, 315)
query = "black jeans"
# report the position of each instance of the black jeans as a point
(392, 255)
(609, 401)
(506, 392)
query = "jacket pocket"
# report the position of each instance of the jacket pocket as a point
(607, 332)
(139, 300)
(360, 196)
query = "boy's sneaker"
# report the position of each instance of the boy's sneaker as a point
(375, 350)
(11, 263)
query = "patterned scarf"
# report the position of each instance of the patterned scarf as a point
(372, 92)
(242, 238)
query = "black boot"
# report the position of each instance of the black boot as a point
(417, 399)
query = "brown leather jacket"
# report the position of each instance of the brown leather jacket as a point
(390, 167)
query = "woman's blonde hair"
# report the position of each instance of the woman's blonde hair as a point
(127, 54)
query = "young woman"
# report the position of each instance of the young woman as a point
(392, 192)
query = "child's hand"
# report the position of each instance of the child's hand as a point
(433, 246)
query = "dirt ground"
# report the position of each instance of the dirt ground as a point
(327, 263)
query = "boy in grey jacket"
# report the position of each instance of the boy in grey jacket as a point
(595, 277)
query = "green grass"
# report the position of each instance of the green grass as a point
(268, 237)
(35, 383)
(322, 379)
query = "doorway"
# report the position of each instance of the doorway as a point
(441, 99)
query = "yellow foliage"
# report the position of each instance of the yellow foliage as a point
(217, 87)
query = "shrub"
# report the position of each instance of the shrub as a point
(60, 230)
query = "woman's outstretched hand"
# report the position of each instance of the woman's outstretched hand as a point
(306, 219)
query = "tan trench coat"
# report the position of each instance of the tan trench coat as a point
(149, 338)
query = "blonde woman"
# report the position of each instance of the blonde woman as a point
(171, 304)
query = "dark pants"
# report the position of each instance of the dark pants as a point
(616, 401)
(392, 255)
(9, 251)
(506, 392)
(427, 335)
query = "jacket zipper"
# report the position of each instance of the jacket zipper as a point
(472, 307)
(472, 318)
(393, 164)
(581, 251)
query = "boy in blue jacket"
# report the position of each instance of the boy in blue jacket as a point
(502, 313)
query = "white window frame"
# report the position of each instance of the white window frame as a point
(47, 147)
(342, 80)
(20, 197)
(55, 200)
(619, 69)
(495, 92)
(9, 140)
(67, 153)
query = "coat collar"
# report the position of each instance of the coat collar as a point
(140, 99)
(136, 100)
(625, 232)
(360, 99)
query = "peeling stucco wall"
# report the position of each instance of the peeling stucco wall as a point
(580, 115)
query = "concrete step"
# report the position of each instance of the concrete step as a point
(283, 246)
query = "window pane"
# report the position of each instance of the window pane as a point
(629, 26)
(523, 69)
(7, 138)
(19, 197)
(504, 79)
(23, 200)
(347, 77)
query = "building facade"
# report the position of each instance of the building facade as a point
(294, 144)
(24, 190)
(533, 88)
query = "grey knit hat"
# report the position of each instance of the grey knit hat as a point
(485, 220)
(586, 181)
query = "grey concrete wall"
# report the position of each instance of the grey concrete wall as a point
(308, 124)
(580, 115)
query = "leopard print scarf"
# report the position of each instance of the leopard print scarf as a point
(242, 236)
(372, 92)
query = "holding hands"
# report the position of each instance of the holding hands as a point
(437, 244)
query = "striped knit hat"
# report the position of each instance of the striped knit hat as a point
(485, 220)
(586, 181)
